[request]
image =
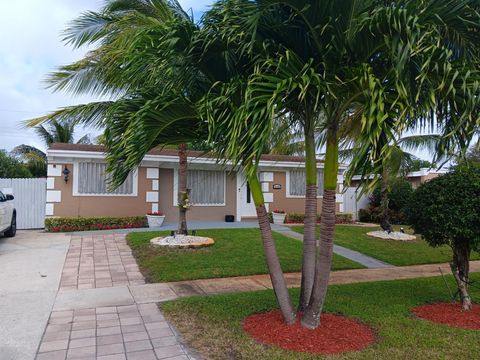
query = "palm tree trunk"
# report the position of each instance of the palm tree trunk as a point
(384, 213)
(182, 190)
(461, 271)
(311, 318)
(273, 263)
(310, 222)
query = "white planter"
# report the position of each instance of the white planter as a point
(155, 220)
(278, 218)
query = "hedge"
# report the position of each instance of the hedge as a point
(297, 218)
(94, 223)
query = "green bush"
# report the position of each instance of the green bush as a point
(446, 211)
(401, 192)
(298, 218)
(94, 223)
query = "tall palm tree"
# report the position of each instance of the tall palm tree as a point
(321, 59)
(157, 64)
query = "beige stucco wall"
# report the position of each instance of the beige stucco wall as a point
(73, 206)
(196, 213)
(280, 199)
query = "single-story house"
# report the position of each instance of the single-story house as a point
(215, 190)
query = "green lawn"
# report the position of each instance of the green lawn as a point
(236, 252)
(213, 325)
(399, 253)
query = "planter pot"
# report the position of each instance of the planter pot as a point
(278, 218)
(155, 220)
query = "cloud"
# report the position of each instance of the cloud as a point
(31, 47)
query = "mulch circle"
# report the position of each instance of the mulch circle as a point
(450, 314)
(336, 334)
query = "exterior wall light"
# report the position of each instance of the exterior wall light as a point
(65, 173)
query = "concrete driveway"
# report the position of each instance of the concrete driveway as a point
(30, 270)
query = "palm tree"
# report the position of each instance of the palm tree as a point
(158, 64)
(35, 159)
(55, 132)
(321, 59)
(60, 132)
(398, 162)
(122, 28)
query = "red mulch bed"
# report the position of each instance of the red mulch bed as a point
(450, 314)
(336, 334)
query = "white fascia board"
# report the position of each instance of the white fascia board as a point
(174, 159)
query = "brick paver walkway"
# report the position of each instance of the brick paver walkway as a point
(120, 332)
(117, 332)
(99, 261)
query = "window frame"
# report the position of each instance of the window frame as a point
(75, 183)
(287, 186)
(175, 189)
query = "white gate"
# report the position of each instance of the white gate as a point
(352, 204)
(30, 196)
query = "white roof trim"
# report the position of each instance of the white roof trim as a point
(57, 155)
(421, 172)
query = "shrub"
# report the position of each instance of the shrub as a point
(446, 211)
(400, 194)
(61, 224)
(298, 218)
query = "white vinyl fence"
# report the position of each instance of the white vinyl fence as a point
(30, 196)
(352, 204)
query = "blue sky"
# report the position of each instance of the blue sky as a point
(30, 48)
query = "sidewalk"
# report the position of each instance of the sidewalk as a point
(169, 291)
(356, 256)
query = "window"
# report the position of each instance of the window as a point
(90, 179)
(296, 183)
(206, 187)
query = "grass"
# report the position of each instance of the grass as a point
(399, 253)
(236, 252)
(213, 325)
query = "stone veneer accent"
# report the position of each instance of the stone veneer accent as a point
(153, 196)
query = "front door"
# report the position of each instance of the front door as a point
(245, 204)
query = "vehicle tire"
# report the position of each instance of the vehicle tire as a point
(13, 227)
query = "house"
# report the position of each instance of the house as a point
(215, 190)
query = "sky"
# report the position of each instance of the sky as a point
(30, 48)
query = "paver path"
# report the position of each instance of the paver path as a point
(356, 256)
(95, 315)
(99, 261)
(163, 291)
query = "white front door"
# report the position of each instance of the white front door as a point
(245, 204)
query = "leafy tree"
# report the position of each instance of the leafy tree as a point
(11, 167)
(33, 158)
(446, 211)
